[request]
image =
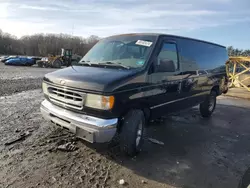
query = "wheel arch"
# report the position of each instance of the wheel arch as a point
(139, 106)
(216, 89)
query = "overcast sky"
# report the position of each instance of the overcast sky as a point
(226, 22)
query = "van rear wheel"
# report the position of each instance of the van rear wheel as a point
(208, 106)
(132, 133)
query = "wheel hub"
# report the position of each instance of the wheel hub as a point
(211, 103)
(139, 134)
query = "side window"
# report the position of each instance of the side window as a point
(169, 52)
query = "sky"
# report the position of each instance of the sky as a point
(225, 22)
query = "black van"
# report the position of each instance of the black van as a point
(126, 80)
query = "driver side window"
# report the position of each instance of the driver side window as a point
(168, 53)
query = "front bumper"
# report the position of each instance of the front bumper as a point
(89, 128)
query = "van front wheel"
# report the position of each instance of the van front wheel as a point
(208, 106)
(132, 132)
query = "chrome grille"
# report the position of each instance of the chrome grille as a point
(66, 97)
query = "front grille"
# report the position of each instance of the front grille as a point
(66, 97)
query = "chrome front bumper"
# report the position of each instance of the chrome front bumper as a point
(89, 128)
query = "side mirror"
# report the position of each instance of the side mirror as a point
(165, 65)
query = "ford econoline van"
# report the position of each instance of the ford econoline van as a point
(126, 80)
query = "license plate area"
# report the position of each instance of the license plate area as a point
(85, 134)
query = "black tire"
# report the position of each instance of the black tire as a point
(57, 63)
(130, 143)
(40, 63)
(47, 65)
(27, 64)
(245, 180)
(208, 106)
(225, 91)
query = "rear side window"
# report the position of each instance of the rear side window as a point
(203, 56)
(169, 52)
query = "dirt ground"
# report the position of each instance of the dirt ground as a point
(197, 152)
(14, 79)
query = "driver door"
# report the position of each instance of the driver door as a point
(166, 81)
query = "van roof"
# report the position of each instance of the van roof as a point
(162, 34)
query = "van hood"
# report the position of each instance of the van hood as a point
(97, 79)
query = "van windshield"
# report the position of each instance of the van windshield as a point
(124, 51)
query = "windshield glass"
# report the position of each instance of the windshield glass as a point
(129, 51)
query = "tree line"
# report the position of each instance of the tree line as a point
(44, 44)
(237, 52)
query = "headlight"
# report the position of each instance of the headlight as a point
(45, 88)
(99, 101)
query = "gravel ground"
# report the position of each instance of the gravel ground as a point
(197, 152)
(20, 72)
(18, 85)
(14, 79)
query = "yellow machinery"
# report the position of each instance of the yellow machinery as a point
(57, 61)
(238, 71)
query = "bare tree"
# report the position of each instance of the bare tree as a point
(237, 52)
(44, 44)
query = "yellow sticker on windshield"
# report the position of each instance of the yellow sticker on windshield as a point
(144, 43)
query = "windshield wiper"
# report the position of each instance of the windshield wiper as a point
(114, 63)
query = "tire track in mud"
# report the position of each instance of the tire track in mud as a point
(31, 163)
